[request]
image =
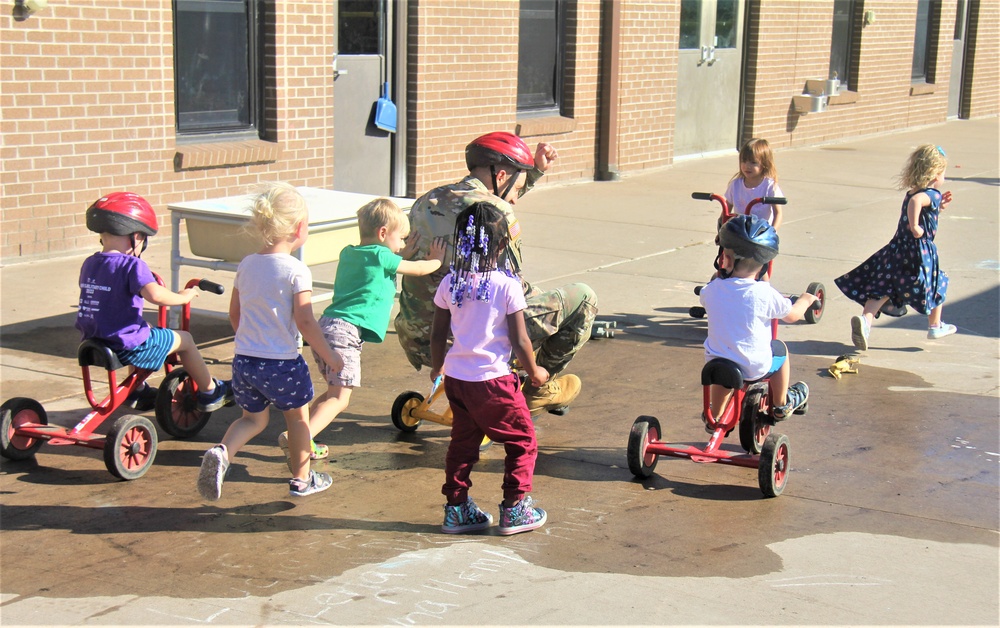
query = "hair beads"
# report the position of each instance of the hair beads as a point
(480, 237)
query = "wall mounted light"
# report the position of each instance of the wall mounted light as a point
(23, 9)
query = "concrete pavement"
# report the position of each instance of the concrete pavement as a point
(890, 516)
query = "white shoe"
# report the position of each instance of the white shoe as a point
(942, 330)
(859, 332)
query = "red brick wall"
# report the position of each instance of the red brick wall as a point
(462, 83)
(983, 91)
(87, 104)
(87, 97)
(790, 44)
(648, 83)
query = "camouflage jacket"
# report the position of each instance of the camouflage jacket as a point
(433, 215)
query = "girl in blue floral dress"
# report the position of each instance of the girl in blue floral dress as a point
(906, 271)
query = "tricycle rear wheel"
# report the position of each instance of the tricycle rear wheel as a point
(130, 447)
(642, 462)
(402, 409)
(16, 412)
(815, 312)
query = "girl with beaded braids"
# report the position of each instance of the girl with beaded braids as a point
(482, 306)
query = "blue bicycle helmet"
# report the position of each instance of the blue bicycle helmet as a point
(750, 237)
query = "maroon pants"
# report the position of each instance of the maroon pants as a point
(495, 408)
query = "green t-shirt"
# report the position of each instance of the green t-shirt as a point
(364, 289)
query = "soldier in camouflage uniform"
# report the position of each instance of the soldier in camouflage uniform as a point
(501, 169)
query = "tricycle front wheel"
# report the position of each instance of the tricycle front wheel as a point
(177, 410)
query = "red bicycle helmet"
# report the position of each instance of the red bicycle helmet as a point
(122, 213)
(499, 148)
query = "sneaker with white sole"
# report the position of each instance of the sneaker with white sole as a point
(214, 465)
(796, 402)
(521, 517)
(860, 332)
(942, 330)
(466, 517)
(220, 397)
(317, 483)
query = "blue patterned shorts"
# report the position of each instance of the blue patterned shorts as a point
(258, 382)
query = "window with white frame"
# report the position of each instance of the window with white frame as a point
(541, 51)
(218, 67)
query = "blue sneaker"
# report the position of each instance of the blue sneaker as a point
(221, 396)
(797, 402)
(466, 517)
(521, 517)
(143, 398)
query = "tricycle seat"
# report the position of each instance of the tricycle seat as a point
(95, 353)
(722, 372)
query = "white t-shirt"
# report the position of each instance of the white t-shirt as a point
(267, 285)
(740, 311)
(481, 349)
(738, 195)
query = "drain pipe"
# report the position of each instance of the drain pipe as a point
(607, 151)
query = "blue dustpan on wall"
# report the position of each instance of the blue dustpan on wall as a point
(385, 111)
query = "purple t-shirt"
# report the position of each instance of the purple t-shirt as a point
(110, 300)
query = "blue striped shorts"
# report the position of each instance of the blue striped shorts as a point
(153, 353)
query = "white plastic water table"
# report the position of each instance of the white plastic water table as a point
(219, 241)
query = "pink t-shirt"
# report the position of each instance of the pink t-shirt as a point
(738, 195)
(481, 349)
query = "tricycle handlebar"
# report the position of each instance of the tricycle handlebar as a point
(210, 286)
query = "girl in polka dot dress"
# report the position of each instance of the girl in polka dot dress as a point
(906, 271)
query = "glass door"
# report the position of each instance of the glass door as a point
(710, 66)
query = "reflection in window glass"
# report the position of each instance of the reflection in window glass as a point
(725, 24)
(921, 40)
(358, 27)
(213, 65)
(690, 24)
(960, 19)
(841, 41)
(540, 50)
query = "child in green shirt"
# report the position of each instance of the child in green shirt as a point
(363, 294)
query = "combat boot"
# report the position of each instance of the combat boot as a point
(555, 396)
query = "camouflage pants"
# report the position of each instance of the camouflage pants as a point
(558, 323)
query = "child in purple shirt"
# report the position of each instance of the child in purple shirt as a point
(114, 284)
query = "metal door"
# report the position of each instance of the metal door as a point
(958, 60)
(362, 152)
(710, 67)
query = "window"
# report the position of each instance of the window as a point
(218, 66)
(842, 41)
(541, 47)
(924, 49)
(358, 27)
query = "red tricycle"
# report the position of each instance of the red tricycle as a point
(130, 445)
(814, 313)
(749, 407)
